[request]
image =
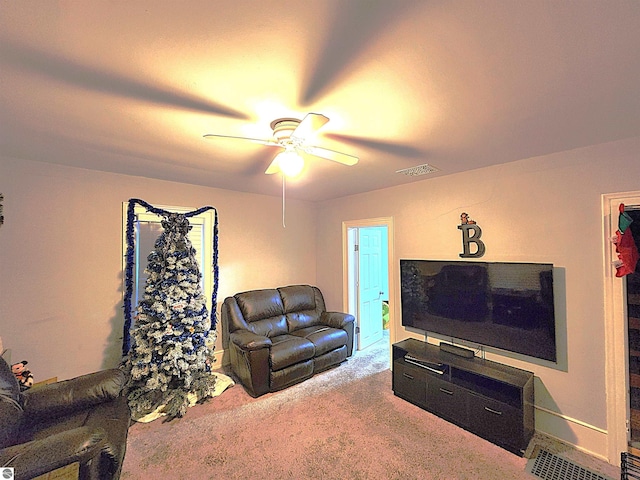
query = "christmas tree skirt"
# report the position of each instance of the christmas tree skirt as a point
(222, 383)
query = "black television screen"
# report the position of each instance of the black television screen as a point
(503, 305)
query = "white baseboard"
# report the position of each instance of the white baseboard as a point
(217, 356)
(582, 436)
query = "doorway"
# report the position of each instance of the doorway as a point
(369, 290)
(633, 337)
(620, 365)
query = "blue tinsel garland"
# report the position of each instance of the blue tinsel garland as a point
(126, 337)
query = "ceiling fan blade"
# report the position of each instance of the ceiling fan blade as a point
(254, 140)
(387, 147)
(273, 167)
(343, 158)
(309, 124)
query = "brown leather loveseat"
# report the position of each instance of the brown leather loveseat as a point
(83, 421)
(279, 337)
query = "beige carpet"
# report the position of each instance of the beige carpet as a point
(342, 424)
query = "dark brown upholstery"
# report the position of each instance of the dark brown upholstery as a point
(84, 420)
(279, 337)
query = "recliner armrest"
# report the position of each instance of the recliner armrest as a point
(73, 394)
(38, 457)
(247, 340)
(336, 319)
(345, 321)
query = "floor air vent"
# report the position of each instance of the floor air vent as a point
(419, 170)
(629, 466)
(552, 467)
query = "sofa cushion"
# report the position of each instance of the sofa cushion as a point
(296, 298)
(260, 304)
(299, 320)
(323, 338)
(269, 327)
(303, 306)
(289, 349)
(53, 425)
(263, 311)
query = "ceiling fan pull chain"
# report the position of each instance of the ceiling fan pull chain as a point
(283, 205)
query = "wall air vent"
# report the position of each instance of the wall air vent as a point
(418, 170)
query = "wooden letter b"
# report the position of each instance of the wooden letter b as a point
(468, 238)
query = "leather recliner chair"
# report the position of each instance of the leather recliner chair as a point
(46, 428)
(279, 337)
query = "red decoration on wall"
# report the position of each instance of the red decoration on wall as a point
(625, 245)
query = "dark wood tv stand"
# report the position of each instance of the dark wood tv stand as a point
(492, 400)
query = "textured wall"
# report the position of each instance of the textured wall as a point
(545, 209)
(61, 257)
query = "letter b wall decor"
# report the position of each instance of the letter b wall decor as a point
(471, 233)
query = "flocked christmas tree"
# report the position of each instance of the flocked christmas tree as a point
(169, 358)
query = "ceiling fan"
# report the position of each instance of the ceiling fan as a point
(292, 135)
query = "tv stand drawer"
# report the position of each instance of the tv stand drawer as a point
(495, 420)
(410, 382)
(447, 400)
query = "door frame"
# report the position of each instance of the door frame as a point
(347, 274)
(616, 335)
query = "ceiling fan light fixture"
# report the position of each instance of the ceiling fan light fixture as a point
(293, 136)
(290, 163)
(283, 128)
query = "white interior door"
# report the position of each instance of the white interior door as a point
(370, 285)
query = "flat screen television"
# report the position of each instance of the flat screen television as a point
(508, 306)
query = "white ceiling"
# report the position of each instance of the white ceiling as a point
(131, 87)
